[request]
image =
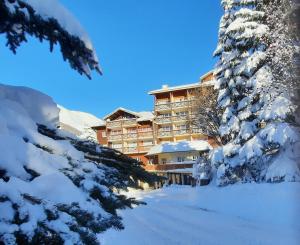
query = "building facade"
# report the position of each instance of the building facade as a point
(175, 111)
(172, 122)
(128, 132)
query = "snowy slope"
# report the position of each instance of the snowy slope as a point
(264, 214)
(79, 123)
(45, 180)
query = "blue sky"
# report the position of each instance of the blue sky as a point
(141, 44)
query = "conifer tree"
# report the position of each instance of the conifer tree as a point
(19, 18)
(255, 120)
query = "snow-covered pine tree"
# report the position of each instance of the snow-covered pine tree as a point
(284, 45)
(255, 117)
(32, 17)
(54, 187)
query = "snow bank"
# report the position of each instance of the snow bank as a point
(238, 214)
(40, 110)
(40, 176)
(79, 123)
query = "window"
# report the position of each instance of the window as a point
(131, 131)
(103, 134)
(182, 113)
(117, 146)
(194, 157)
(132, 144)
(146, 129)
(163, 160)
(165, 115)
(181, 127)
(180, 159)
(165, 128)
(115, 132)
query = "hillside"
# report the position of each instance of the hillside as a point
(78, 123)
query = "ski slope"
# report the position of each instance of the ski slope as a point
(240, 214)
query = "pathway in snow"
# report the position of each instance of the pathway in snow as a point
(177, 216)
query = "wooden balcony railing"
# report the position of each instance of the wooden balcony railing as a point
(121, 123)
(143, 135)
(181, 131)
(174, 105)
(163, 120)
(163, 107)
(130, 136)
(114, 137)
(114, 124)
(164, 134)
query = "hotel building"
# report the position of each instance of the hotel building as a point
(140, 134)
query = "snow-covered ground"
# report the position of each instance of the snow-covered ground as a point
(238, 214)
(79, 123)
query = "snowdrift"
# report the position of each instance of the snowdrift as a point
(54, 187)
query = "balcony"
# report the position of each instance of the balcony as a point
(133, 149)
(145, 148)
(114, 124)
(180, 118)
(130, 136)
(116, 137)
(163, 107)
(163, 120)
(145, 135)
(197, 131)
(181, 131)
(129, 123)
(180, 104)
(162, 134)
(174, 105)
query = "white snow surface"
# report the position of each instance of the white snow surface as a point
(239, 214)
(78, 122)
(21, 148)
(181, 146)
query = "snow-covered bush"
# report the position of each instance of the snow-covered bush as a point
(54, 188)
(257, 115)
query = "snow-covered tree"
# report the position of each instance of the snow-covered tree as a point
(54, 187)
(255, 123)
(284, 45)
(48, 20)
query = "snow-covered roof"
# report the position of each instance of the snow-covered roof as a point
(145, 116)
(182, 146)
(186, 86)
(121, 109)
(141, 116)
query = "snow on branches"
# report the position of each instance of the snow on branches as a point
(48, 20)
(255, 124)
